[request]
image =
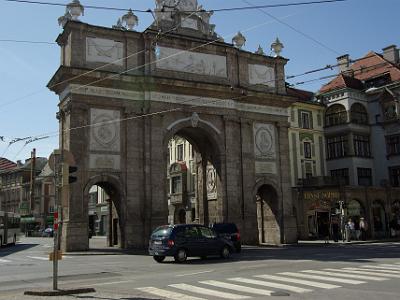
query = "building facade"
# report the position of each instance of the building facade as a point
(362, 128)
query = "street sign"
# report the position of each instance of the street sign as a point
(55, 158)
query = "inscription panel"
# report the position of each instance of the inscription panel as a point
(265, 167)
(104, 161)
(191, 62)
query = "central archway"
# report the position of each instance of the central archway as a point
(208, 205)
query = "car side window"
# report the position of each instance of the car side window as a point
(207, 232)
(191, 232)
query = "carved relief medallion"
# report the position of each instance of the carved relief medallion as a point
(264, 75)
(104, 131)
(103, 50)
(264, 140)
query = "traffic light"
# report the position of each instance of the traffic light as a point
(71, 177)
(68, 175)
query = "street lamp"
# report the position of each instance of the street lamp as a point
(75, 9)
(130, 19)
(277, 47)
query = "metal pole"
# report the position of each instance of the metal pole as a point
(55, 232)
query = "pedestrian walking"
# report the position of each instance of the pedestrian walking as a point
(363, 228)
(349, 230)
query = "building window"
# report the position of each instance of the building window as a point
(305, 119)
(308, 173)
(307, 149)
(337, 146)
(364, 176)
(359, 114)
(394, 174)
(179, 152)
(342, 175)
(393, 144)
(335, 115)
(361, 146)
(176, 186)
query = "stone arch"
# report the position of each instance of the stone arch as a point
(269, 211)
(114, 188)
(358, 113)
(207, 140)
(335, 114)
(378, 218)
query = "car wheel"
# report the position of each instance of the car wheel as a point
(225, 252)
(180, 256)
(159, 258)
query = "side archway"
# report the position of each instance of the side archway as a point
(116, 217)
(268, 213)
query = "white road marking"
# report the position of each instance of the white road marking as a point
(271, 284)
(382, 267)
(199, 290)
(360, 271)
(344, 275)
(323, 278)
(239, 288)
(197, 273)
(377, 270)
(109, 283)
(300, 281)
(38, 257)
(167, 294)
(391, 266)
(4, 260)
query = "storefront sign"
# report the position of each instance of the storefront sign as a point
(319, 195)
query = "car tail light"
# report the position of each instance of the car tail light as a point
(238, 236)
(170, 243)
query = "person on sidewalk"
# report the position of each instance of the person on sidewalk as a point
(363, 228)
(335, 228)
(349, 230)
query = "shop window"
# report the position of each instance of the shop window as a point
(394, 174)
(342, 175)
(364, 176)
(393, 145)
(337, 146)
(361, 146)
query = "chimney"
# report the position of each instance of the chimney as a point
(391, 53)
(343, 63)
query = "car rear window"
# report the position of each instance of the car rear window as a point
(162, 231)
(225, 228)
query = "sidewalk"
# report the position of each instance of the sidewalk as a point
(341, 243)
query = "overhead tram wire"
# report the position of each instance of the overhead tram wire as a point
(295, 29)
(159, 36)
(57, 133)
(188, 11)
(27, 41)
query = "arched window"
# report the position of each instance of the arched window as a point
(335, 115)
(358, 114)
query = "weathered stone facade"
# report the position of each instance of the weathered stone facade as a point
(124, 95)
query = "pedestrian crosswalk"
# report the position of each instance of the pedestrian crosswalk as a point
(297, 282)
(28, 258)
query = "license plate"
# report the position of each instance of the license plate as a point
(157, 243)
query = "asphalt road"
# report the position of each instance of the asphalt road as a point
(367, 271)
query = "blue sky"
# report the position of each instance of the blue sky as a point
(27, 108)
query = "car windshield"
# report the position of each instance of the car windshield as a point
(162, 231)
(225, 228)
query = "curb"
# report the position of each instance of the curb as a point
(60, 292)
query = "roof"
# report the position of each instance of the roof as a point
(6, 164)
(370, 66)
(300, 94)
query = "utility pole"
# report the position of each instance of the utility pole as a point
(32, 182)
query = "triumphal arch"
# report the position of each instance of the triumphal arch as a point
(124, 94)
